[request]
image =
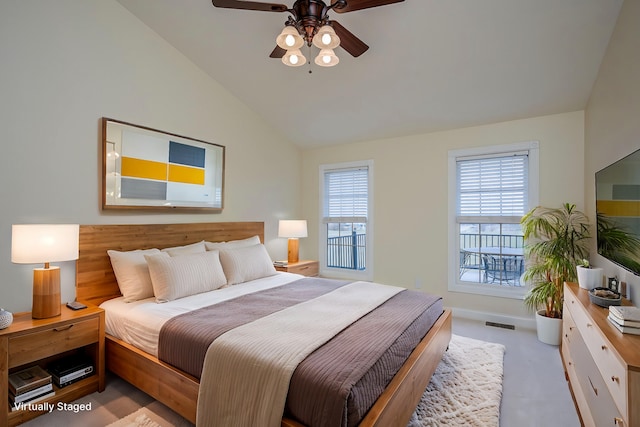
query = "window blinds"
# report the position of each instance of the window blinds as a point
(492, 186)
(346, 195)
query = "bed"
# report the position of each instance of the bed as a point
(178, 389)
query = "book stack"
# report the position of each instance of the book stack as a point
(71, 369)
(625, 318)
(29, 385)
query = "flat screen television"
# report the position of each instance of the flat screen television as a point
(618, 212)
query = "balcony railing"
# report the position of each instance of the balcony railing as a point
(492, 258)
(348, 252)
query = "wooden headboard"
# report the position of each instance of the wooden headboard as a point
(95, 280)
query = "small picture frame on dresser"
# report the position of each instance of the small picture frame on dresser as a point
(613, 284)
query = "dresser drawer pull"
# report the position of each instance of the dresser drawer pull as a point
(615, 379)
(618, 421)
(604, 347)
(66, 328)
(595, 390)
(589, 325)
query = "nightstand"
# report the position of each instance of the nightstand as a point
(306, 268)
(29, 342)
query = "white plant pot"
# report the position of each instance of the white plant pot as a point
(549, 329)
(589, 278)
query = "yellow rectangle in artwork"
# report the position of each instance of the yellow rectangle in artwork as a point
(186, 174)
(139, 168)
(618, 207)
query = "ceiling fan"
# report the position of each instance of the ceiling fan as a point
(309, 23)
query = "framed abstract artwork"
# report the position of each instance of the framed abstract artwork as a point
(146, 168)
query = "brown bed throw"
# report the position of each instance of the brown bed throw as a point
(335, 385)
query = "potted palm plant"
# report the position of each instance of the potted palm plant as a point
(556, 240)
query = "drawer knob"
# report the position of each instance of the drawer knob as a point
(66, 328)
(604, 347)
(618, 421)
(615, 379)
(589, 325)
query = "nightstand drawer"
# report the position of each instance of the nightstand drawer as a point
(54, 340)
(310, 269)
(306, 268)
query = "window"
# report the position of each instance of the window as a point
(346, 232)
(490, 189)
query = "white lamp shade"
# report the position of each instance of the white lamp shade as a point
(292, 228)
(43, 243)
(290, 39)
(326, 38)
(327, 58)
(294, 58)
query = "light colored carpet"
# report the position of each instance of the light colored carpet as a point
(465, 389)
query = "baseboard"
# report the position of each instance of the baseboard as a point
(481, 316)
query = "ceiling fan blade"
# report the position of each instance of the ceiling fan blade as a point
(278, 52)
(250, 5)
(348, 41)
(364, 4)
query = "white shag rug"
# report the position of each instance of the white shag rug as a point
(143, 417)
(465, 389)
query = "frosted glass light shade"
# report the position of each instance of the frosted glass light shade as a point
(44, 243)
(292, 228)
(327, 58)
(289, 38)
(326, 38)
(294, 58)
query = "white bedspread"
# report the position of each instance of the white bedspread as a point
(263, 354)
(138, 323)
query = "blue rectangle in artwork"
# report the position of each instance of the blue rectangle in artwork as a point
(143, 189)
(184, 154)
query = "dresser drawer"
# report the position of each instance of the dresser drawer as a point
(610, 367)
(597, 396)
(55, 340)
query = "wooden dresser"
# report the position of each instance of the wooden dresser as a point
(601, 363)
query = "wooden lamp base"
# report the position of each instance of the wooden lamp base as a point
(292, 253)
(46, 292)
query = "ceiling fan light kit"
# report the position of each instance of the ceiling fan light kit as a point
(327, 58)
(309, 23)
(294, 58)
(326, 38)
(289, 39)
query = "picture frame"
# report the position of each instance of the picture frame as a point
(150, 169)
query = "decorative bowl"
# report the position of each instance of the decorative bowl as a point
(604, 297)
(6, 318)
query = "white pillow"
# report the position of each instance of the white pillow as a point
(233, 244)
(194, 248)
(132, 273)
(246, 263)
(177, 277)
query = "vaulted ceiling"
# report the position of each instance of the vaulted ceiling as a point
(432, 64)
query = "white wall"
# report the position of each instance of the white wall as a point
(66, 64)
(612, 128)
(411, 196)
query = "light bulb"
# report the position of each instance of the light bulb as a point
(293, 59)
(290, 40)
(326, 59)
(326, 39)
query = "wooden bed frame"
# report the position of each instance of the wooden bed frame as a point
(96, 282)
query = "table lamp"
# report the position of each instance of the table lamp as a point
(293, 229)
(42, 244)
